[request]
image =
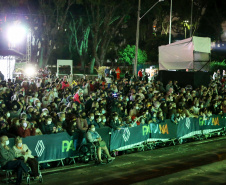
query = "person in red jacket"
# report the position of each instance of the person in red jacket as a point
(65, 83)
(140, 75)
(77, 95)
(118, 71)
(24, 131)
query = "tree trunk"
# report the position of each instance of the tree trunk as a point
(92, 65)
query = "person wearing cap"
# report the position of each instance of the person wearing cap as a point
(8, 160)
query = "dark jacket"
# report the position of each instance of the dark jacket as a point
(47, 129)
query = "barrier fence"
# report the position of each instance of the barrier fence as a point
(59, 146)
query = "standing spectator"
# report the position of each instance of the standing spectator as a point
(65, 83)
(2, 76)
(77, 96)
(140, 74)
(107, 72)
(118, 71)
(89, 102)
(82, 122)
(169, 85)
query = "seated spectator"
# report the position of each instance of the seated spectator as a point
(91, 120)
(23, 152)
(99, 121)
(94, 137)
(114, 123)
(8, 160)
(62, 121)
(48, 127)
(25, 129)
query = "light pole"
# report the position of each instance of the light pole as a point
(138, 33)
(191, 18)
(170, 28)
(185, 28)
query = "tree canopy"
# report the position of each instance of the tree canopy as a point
(127, 55)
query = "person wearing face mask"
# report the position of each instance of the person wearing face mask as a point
(94, 137)
(24, 130)
(23, 152)
(99, 121)
(104, 120)
(115, 122)
(8, 160)
(62, 121)
(91, 120)
(38, 105)
(48, 127)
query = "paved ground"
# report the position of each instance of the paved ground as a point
(201, 162)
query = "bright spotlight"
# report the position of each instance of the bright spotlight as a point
(30, 71)
(16, 34)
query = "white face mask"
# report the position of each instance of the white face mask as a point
(36, 95)
(25, 124)
(19, 144)
(38, 104)
(104, 120)
(92, 117)
(49, 122)
(7, 142)
(93, 129)
(8, 114)
(99, 120)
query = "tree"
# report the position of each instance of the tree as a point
(127, 55)
(105, 18)
(50, 26)
(79, 38)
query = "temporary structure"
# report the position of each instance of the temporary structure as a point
(192, 53)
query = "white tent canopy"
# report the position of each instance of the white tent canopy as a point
(182, 54)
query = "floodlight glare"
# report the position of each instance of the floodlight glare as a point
(16, 34)
(30, 71)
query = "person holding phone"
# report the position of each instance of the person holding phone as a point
(22, 152)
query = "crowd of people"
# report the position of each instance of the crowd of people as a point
(48, 105)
